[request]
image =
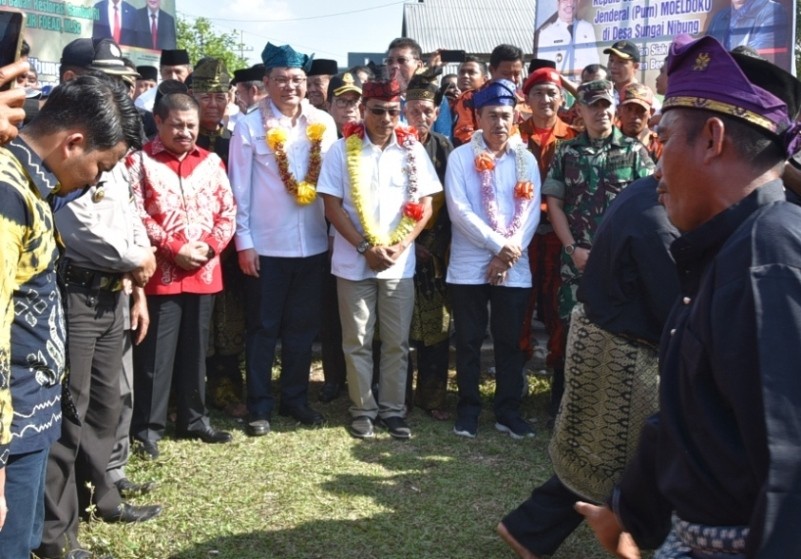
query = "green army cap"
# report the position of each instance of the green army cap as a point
(211, 76)
(590, 92)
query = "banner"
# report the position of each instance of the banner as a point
(143, 27)
(574, 33)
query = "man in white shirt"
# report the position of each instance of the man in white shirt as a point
(492, 188)
(250, 88)
(281, 238)
(567, 39)
(377, 184)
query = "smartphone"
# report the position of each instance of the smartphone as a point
(452, 55)
(12, 23)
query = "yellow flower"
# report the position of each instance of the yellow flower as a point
(275, 138)
(306, 193)
(315, 131)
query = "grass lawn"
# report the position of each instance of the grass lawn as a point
(302, 493)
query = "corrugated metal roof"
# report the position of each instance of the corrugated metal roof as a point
(476, 26)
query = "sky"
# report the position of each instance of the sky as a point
(330, 29)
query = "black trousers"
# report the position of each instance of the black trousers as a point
(81, 455)
(175, 346)
(545, 519)
(470, 317)
(290, 292)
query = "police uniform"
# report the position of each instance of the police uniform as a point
(101, 245)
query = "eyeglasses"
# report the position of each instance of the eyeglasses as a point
(401, 60)
(345, 103)
(295, 82)
(380, 111)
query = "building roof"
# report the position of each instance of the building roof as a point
(475, 26)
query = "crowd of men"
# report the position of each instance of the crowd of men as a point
(148, 245)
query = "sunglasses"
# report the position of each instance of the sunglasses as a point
(380, 111)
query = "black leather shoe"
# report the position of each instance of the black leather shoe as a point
(129, 489)
(149, 450)
(257, 427)
(304, 414)
(329, 392)
(208, 435)
(129, 513)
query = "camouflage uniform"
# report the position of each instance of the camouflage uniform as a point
(587, 175)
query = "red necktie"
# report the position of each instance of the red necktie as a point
(154, 31)
(116, 32)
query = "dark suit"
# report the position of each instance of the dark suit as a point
(103, 27)
(166, 30)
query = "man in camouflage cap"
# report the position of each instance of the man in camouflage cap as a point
(634, 111)
(586, 174)
(209, 86)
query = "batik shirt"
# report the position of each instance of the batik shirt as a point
(32, 322)
(181, 201)
(587, 175)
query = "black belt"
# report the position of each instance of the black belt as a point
(90, 279)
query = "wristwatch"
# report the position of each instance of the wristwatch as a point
(362, 247)
(570, 249)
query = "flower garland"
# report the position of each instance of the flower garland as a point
(305, 191)
(524, 189)
(412, 210)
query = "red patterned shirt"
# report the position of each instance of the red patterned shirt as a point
(182, 201)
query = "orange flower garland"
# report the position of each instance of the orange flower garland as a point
(484, 163)
(305, 191)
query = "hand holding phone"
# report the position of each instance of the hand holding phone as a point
(452, 56)
(12, 25)
(11, 101)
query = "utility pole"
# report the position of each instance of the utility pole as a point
(243, 48)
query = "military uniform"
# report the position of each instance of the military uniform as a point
(587, 175)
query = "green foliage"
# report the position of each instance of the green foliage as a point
(200, 39)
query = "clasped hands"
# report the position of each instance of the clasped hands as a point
(380, 258)
(193, 255)
(500, 263)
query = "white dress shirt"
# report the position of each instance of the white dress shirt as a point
(474, 242)
(268, 218)
(147, 99)
(112, 13)
(385, 193)
(570, 51)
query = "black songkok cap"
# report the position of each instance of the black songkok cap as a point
(176, 57)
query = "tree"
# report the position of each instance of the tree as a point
(200, 39)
